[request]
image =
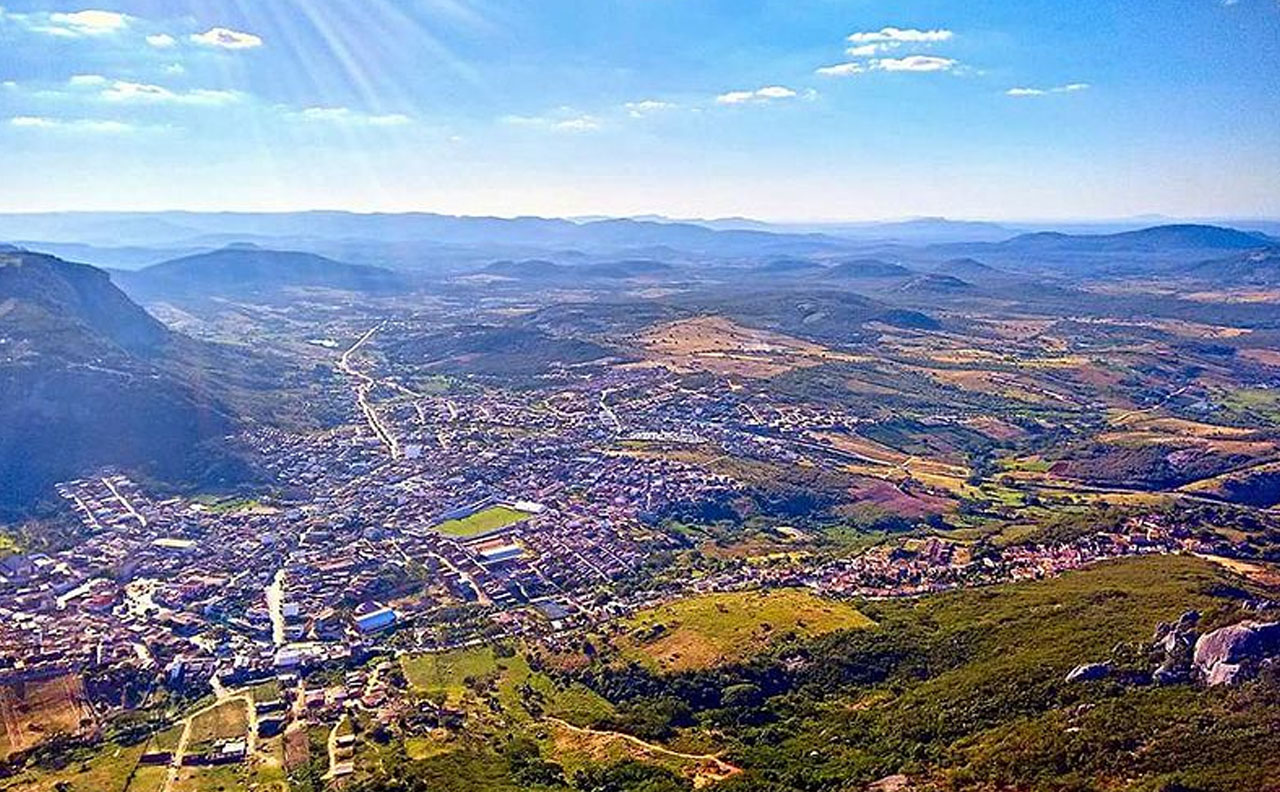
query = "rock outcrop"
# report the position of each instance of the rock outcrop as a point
(1180, 654)
(1232, 654)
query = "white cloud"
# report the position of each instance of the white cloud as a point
(842, 69)
(87, 79)
(1068, 88)
(562, 121)
(914, 63)
(345, 115)
(647, 107)
(74, 125)
(765, 94)
(123, 91)
(225, 38)
(890, 35)
(775, 92)
(162, 41)
(910, 63)
(867, 50)
(80, 23)
(584, 123)
(33, 122)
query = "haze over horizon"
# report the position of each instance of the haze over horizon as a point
(800, 111)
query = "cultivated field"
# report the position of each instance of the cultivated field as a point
(32, 711)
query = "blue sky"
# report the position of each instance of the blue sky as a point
(778, 109)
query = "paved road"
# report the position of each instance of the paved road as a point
(125, 502)
(365, 386)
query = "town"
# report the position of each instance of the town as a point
(434, 522)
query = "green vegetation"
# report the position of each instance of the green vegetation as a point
(465, 677)
(104, 768)
(168, 739)
(967, 689)
(265, 691)
(227, 720)
(482, 522)
(712, 629)
(218, 504)
(445, 674)
(148, 778)
(1252, 406)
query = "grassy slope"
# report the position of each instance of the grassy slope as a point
(708, 630)
(978, 696)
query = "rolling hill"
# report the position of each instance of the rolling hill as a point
(1251, 268)
(1149, 250)
(857, 269)
(248, 270)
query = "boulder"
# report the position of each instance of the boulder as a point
(1225, 674)
(1244, 645)
(1089, 672)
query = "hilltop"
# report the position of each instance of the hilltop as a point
(246, 269)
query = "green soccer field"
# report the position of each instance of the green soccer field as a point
(482, 522)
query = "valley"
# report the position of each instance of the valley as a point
(513, 527)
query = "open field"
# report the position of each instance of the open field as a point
(445, 674)
(227, 720)
(479, 672)
(32, 711)
(708, 630)
(481, 522)
(168, 739)
(1267, 357)
(227, 778)
(107, 769)
(720, 346)
(148, 778)
(265, 691)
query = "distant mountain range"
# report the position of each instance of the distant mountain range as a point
(1150, 250)
(87, 378)
(169, 229)
(433, 245)
(541, 270)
